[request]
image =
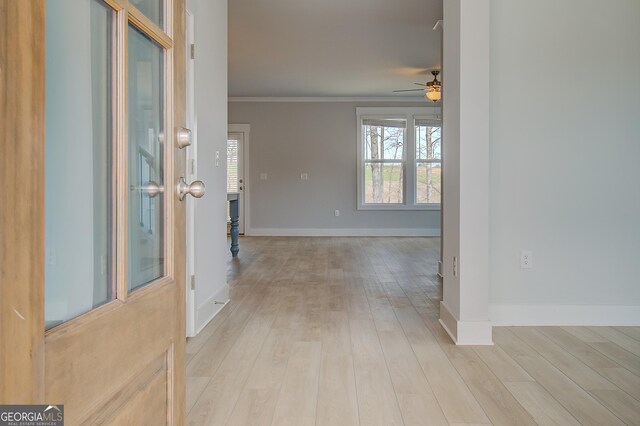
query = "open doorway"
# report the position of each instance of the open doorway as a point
(237, 171)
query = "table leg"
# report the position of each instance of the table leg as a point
(234, 213)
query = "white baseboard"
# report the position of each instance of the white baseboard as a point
(465, 332)
(342, 232)
(210, 308)
(593, 315)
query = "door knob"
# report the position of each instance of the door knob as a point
(152, 189)
(195, 189)
(183, 137)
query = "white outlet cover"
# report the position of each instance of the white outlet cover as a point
(304, 176)
(263, 176)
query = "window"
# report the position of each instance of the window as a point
(399, 158)
(428, 161)
(384, 154)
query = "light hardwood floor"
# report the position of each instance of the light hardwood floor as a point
(343, 331)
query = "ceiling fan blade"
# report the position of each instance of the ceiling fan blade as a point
(420, 84)
(408, 90)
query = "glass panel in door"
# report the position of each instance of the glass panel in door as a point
(152, 9)
(78, 159)
(146, 244)
(232, 165)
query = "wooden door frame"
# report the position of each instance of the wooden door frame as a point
(22, 89)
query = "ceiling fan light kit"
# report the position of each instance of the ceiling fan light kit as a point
(432, 90)
(433, 95)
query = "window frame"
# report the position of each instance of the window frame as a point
(410, 114)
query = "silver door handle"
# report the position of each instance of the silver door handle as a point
(195, 189)
(151, 189)
(183, 137)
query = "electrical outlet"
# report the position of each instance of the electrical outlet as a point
(336, 213)
(304, 176)
(455, 266)
(217, 158)
(526, 259)
(263, 176)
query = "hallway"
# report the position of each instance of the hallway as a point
(339, 331)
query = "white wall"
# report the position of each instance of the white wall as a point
(464, 311)
(318, 138)
(210, 134)
(565, 146)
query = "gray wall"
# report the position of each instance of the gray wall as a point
(565, 181)
(318, 138)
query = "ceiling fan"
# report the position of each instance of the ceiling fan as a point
(432, 89)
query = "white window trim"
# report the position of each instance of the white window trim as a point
(409, 190)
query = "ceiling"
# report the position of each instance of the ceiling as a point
(347, 48)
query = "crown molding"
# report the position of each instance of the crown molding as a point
(419, 100)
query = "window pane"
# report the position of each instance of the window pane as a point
(146, 160)
(428, 182)
(78, 162)
(428, 140)
(232, 165)
(152, 9)
(383, 139)
(383, 183)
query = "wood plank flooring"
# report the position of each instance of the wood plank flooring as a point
(344, 331)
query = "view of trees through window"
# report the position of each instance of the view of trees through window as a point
(387, 154)
(428, 162)
(384, 145)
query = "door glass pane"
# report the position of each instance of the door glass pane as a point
(232, 171)
(232, 165)
(78, 159)
(146, 160)
(152, 9)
